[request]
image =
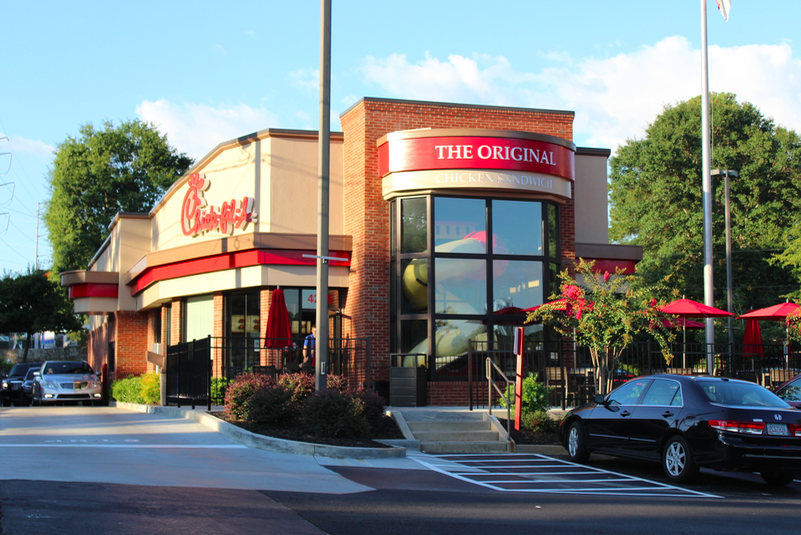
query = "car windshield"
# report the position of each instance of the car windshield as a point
(741, 394)
(18, 370)
(66, 368)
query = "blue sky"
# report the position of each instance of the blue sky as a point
(204, 73)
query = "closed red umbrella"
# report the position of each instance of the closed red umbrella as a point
(752, 340)
(279, 331)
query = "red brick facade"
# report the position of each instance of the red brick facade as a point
(367, 213)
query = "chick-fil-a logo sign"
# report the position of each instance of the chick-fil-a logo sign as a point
(197, 217)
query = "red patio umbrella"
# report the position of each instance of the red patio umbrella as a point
(774, 313)
(687, 308)
(279, 331)
(682, 323)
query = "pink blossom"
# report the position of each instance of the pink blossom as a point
(571, 291)
(653, 302)
(606, 276)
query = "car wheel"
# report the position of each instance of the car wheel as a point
(677, 460)
(577, 449)
(777, 478)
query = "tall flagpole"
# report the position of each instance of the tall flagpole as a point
(323, 167)
(706, 188)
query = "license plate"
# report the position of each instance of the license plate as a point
(778, 430)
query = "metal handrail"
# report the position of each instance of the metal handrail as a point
(490, 385)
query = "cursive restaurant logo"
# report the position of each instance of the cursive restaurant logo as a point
(198, 218)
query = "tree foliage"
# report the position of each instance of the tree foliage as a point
(656, 200)
(605, 313)
(31, 303)
(124, 168)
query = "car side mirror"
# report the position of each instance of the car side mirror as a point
(600, 399)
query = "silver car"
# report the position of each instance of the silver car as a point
(67, 381)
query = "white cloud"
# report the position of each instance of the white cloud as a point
(197, 128)
(21, 145)
(614, 98)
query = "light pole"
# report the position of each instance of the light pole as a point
(726, 173)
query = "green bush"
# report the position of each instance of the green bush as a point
(143, 389)
(538, 421)
(534, 396)
(331, 413)
(150, 388)
(239, 392)
(219, 386)
(372, 405)
(128, 390)
(271, 405)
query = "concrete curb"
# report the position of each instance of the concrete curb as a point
(253, 440)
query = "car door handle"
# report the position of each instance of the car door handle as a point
(625, 413)
(667, 414)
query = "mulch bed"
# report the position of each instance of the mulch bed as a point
(386, 429)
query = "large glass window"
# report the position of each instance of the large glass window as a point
(465, 269)
(198, 318)
(517, 228)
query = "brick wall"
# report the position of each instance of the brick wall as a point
(131, 343)
(367, 214)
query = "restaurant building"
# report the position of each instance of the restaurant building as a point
(448, 215)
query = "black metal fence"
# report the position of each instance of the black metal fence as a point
(570, 374)
(197, 371)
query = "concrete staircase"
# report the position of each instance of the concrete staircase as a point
(456, 431)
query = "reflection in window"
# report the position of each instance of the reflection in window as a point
(469, 214)
(414, 283)
(414, 225)
(517, 283)
(414, 337)
(627, 393)
(461, 286)
(517, 228)
(451, 345)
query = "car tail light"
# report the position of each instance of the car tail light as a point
(745, 428)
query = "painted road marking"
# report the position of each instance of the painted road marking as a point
(537, 473)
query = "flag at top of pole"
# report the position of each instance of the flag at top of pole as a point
(724, 6)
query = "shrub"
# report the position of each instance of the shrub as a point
(150, 388)
(239, 392)
(271, 405)
(538, 421)
(534, 396)
(373, 405)
(331, 413)
(219, 386)
(300, 384)
(127, 390)
(337, 382)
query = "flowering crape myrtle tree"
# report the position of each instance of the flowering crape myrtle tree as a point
(604, 313)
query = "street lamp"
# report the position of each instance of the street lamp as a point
(726, 173)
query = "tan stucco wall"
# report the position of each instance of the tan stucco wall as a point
(590, 195)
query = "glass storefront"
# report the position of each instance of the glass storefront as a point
(491, 259)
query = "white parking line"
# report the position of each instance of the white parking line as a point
(537, 473)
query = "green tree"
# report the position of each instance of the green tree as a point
(31, 303)
(656, 200)
(99, 174)
(605, 313)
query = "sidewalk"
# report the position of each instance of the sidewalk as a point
(394, 457)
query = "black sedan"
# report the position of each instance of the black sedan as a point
(689, 422)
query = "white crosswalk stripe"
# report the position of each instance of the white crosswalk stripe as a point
(542, 474)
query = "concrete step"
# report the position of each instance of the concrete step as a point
(448, 425)
(464, 447)
(456, 436)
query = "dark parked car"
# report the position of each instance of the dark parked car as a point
(790, 391)
(689, 422)
(27, 385)
(12, 385)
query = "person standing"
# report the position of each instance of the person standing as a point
(309, 347)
